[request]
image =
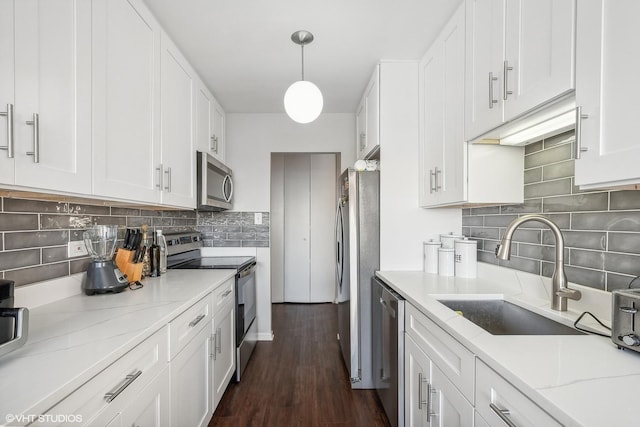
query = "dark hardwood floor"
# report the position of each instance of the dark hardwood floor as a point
(299, 379)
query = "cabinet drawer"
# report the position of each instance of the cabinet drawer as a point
(224, 294)
(455, 361)
(184, 327)
(494, 395)
(120, 382)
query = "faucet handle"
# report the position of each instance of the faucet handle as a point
(573, 294)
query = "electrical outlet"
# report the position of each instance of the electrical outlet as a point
(76, 249)
(257, 218)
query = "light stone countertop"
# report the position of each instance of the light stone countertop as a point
(73, 339)
(579, 380)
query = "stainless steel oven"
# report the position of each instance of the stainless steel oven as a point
(184, 253)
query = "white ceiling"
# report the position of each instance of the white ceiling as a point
(243, 51)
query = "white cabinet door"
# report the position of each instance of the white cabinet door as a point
(178, 106)
(369, 128)
(7, 95)
(430, 398)
(442, 145)
(126, 101)
(203, 116)
(218, 122)
(484, 56)
(191, 377)
(224, 361)
(417, 374)
(53, 94)
(607, 89)
(539, 53)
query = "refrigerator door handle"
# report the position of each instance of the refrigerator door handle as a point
(339, 245)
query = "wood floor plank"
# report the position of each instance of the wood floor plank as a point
(299, 378)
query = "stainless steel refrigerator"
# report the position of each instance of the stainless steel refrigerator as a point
(358, 257)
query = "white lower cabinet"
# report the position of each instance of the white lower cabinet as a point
(500, 403)
(191, 382)
(430, 397)
(224, 330)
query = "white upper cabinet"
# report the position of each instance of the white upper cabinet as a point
(520, 56)
(607, 90)
(368, 138)
(45, 68)
(126, 101)
(453, 172)
(210, 123)
(177, 127)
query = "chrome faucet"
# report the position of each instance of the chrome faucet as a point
(559, 290)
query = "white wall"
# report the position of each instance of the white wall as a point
(403, 224)
(250, 139)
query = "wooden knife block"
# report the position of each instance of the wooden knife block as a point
(124, 261)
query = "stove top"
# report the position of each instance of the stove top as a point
(219, 262)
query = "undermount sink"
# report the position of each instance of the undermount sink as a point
(499, 317)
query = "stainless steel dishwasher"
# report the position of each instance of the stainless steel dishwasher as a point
(387, 312)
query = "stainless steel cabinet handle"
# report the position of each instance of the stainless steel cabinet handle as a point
(110, 396)
(505, 77)
(430, 391)
(363, 141)
(436, 174)
(214, 144)
(36, 137)
(629, 310)
(432, 187)
(9, 115)
(227, 292)
(168, 173)
(218, 340)
(160, 174)
(579, 148)
(503, 414)
(421, 400)
(214, 340)
(491, 80)
(197, 320)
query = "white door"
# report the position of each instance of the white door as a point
(607, 89)
(309, 213)
(217, 130)
(151, 408)
(53, 94)
(372, 139)
(417, 375)
(296, 227)
(225, 352)
(126, 101)
(539, 53)
(203, 119)
(178, 105)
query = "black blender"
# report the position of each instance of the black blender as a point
(102, 274)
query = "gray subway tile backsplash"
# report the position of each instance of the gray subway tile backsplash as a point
(34, 234)
(601, 228)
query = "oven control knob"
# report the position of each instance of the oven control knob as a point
(632, 340)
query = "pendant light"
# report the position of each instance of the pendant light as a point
(303, 100)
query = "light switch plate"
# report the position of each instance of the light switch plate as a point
(76, 249)
(257, 218)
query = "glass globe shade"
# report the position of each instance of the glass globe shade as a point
(303, 101)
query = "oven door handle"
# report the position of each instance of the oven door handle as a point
(247, 271)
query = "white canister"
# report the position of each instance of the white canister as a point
(446, 262)
(430, 256)
(449, 239)
(466, 255)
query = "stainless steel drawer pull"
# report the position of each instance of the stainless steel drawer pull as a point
(629, 310)
(579, 148)
(9, 115)
(218, 340)
(214, 340)
(505, 86)
(421, 400)
(491, 80)
(227, 292)
(503, 414)
(197, 320)
(36, 137)
(109, 397)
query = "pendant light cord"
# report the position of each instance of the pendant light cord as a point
(302, 47)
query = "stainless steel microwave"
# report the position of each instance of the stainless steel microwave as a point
(215, 184)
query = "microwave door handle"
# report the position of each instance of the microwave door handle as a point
(227, 197)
